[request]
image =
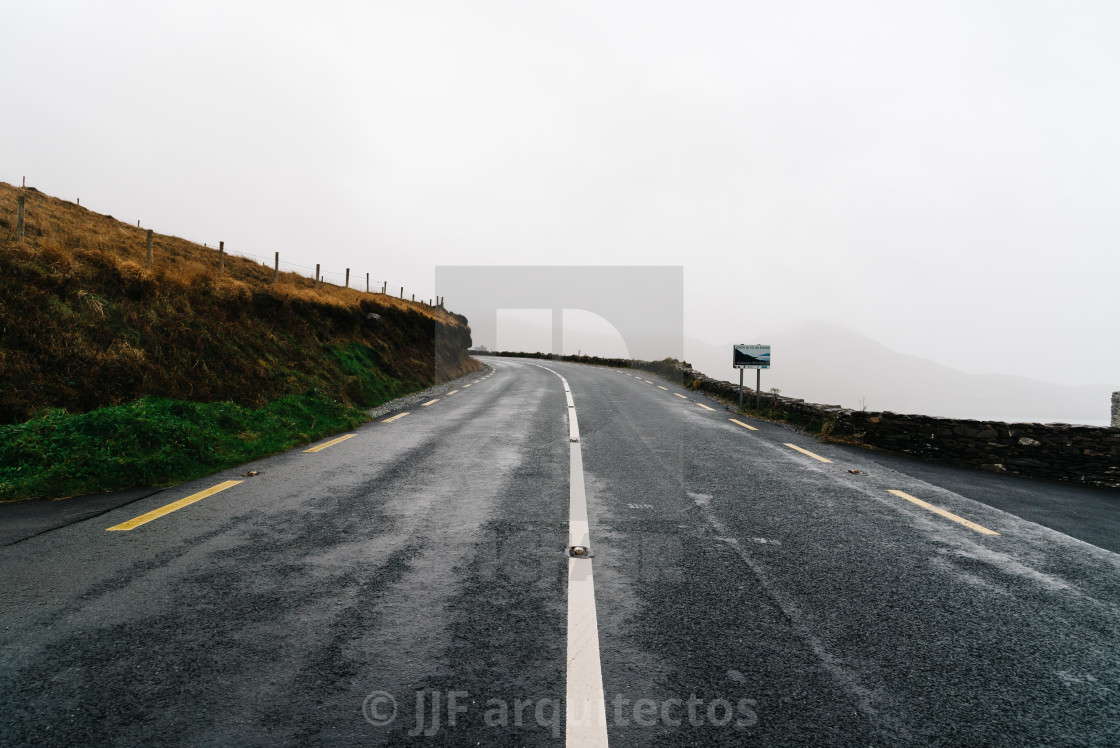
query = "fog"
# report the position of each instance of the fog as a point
(940, 177)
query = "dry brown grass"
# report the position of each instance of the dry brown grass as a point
(84, 322)
(57, 228)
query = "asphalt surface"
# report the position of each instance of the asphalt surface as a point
(746, 593)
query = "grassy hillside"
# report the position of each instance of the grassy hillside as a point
(85, 326)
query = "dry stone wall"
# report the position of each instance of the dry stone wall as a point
(1056, 451)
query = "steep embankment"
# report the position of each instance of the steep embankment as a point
(87, 327)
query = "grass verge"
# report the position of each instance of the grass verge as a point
(156, 441)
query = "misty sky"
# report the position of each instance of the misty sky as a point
(941, 176)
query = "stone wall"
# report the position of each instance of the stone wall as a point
(1056, 451)
(1077, 454)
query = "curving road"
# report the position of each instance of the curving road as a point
(413, 584)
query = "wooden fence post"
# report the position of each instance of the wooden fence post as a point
(385, 287)
(316, 275)
(367, 282)
(221, 257)
(348, 277)
(276, 268)
(402, 293)
(19, 218)
(149, 247)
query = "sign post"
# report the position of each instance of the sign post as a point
(744, 356)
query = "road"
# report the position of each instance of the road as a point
(413, 584)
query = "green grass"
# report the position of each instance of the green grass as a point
(157, 441)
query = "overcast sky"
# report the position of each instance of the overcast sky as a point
(941, 176)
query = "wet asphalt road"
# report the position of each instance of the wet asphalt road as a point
(746, 593)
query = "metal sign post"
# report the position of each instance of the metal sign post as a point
(751, 357)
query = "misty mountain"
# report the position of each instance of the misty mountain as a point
(828, 364)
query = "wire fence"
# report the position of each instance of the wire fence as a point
(357, 281)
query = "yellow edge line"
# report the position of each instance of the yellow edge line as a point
(173, 506)
(451, 393)
(331, 443)
(424, 405)
(647, 381)
(744, 425)
(682, 397)
(398, 415)
(807, 452)
(948, 515)
(662, 388)
(467, 385)
(705, 407)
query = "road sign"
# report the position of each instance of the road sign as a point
(751, 357)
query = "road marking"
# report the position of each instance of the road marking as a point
(451, 393)
(424, 405)
(682, 397)
(398, 415)
(647, 381)
(744, 425)
(662, 388)
(331, 443)
(807, 452)
(173, 506)
(585, 723)
(948, 515)
(705, 407)
(467, 385)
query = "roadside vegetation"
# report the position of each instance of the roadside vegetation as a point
(156, 441)
(114, 374)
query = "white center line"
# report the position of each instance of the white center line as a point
(585, 723)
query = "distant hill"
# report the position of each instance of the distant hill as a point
(829, 364)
